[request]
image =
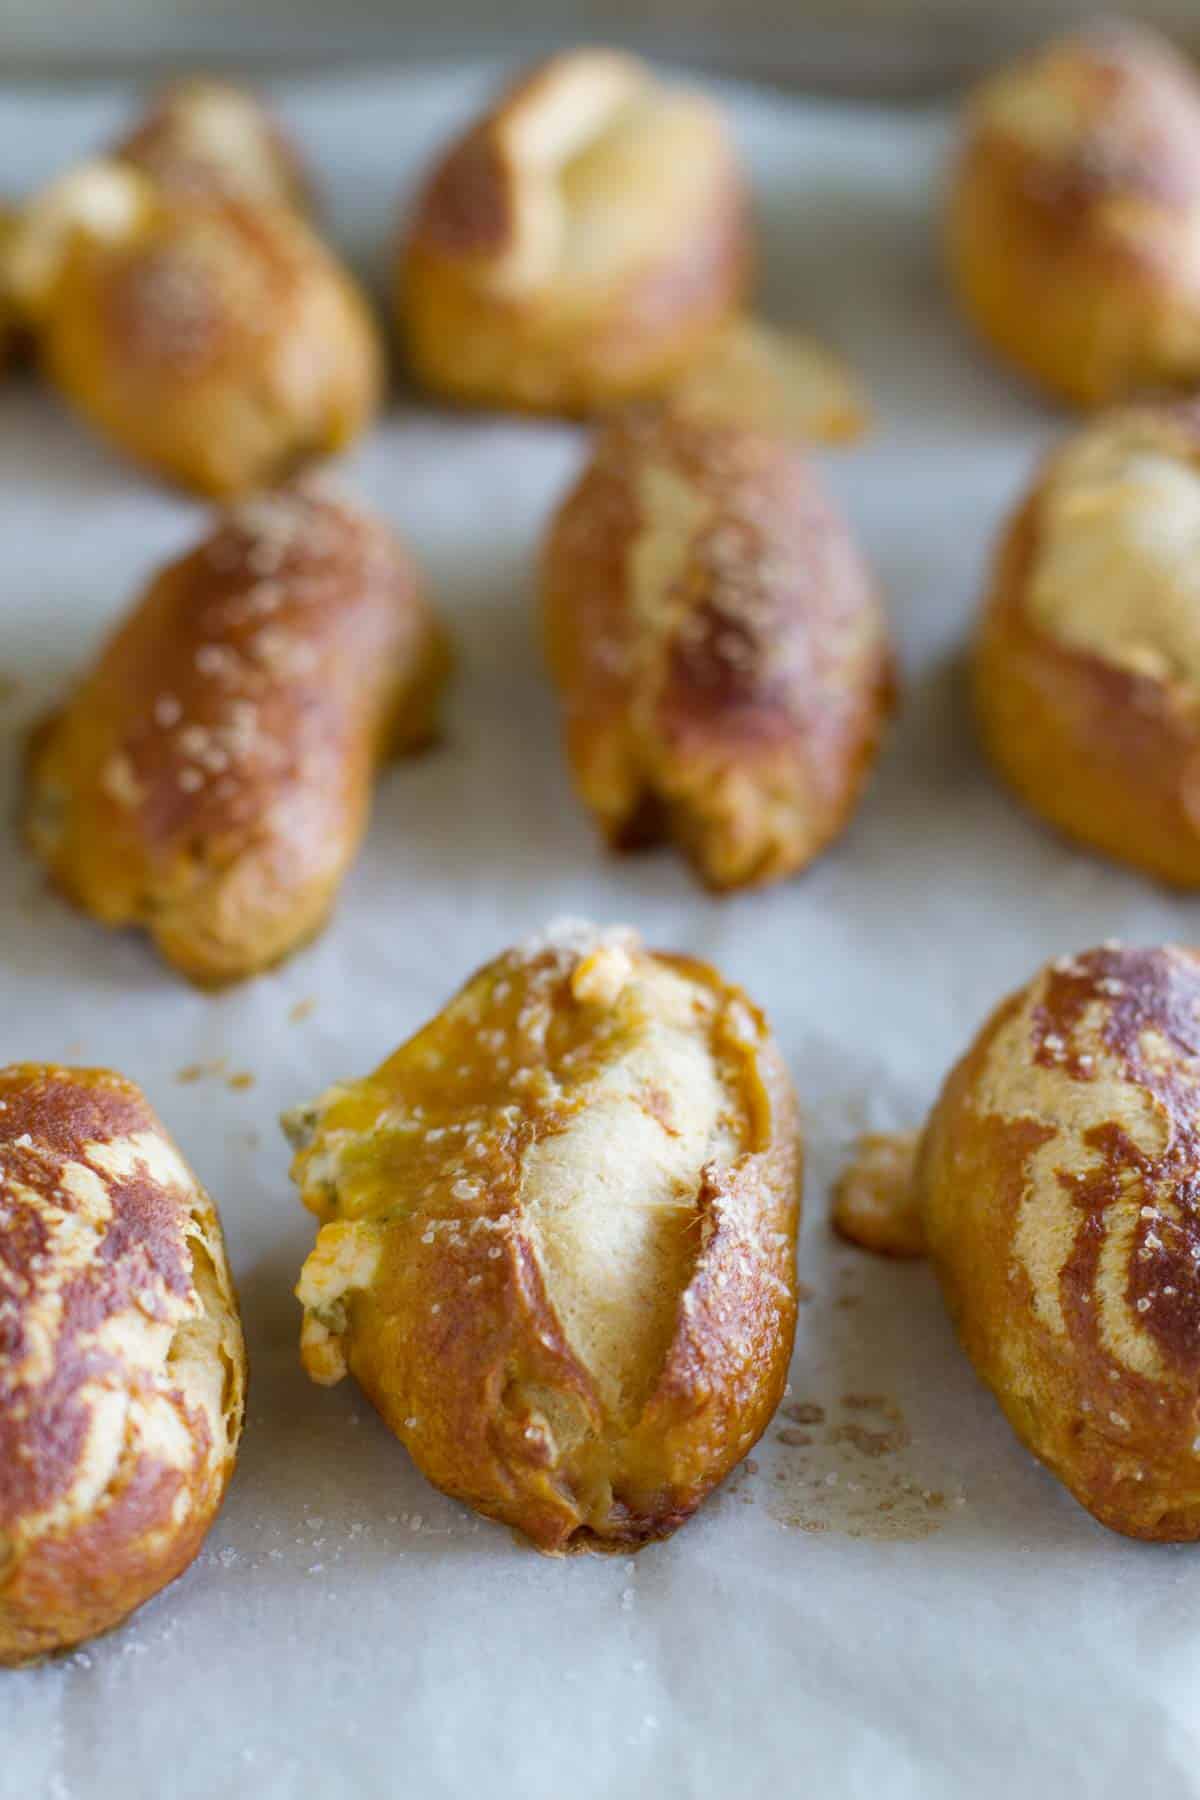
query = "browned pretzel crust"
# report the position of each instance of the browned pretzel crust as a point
(1058, 1183)
(558, 1239)
(1073, 222)
(214, 339)
(579, 245)
(1086, 688)
(205, 135)
(210, 780)
(122, 1368)
(719, 648)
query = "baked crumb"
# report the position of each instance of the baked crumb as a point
(805, 1412)
(842, 1481)
(303, 1009)
(874, 1203)
(870, 1443)
(199, 1071)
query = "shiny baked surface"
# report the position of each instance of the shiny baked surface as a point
(211, 337)
(1087, 656)
(718, 645)
(201, 135)
(122, 1369)
(580, 244)
(1057, 1183)
(1073, 218)
(209, 779)
(558, 1238)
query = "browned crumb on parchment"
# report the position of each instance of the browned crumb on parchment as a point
(874, 1200)
(302, 1010)
(804, 1412)
(238, 1082)
(849, 1481)
(874, 1439)
(201, 1071)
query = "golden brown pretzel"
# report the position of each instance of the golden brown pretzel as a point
(214, 340)
(579, 245)
(206, 135)
(1057, 1181)
(718, 645)
(210, 779)
(557, 1248)
(122, 1368)
(1073, 221)
(1087, 662)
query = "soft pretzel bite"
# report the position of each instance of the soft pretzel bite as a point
(718, 645)
(215, 340)
(122, 1367)
(206, 135)
(874, 1199)
(557, 1248)
(1073, 220)
(580, 244)
(210, 779)
(1087, 661)
(1057, 1182)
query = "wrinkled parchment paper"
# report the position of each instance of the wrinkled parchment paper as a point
(890, 1599)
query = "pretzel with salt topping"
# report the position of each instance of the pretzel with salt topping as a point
(581, 245)
(557, 1240)
(212, 338)
(122, 1366)
(210, 779)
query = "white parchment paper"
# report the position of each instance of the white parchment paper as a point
(936, 1620)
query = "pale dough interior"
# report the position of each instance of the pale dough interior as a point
(611, 1200)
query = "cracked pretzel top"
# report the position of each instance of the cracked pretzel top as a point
(121, 1361)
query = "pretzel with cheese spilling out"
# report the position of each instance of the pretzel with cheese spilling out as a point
(558, 1238)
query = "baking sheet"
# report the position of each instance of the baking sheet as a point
(933, 1619)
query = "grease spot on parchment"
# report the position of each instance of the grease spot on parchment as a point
(855, 1478)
